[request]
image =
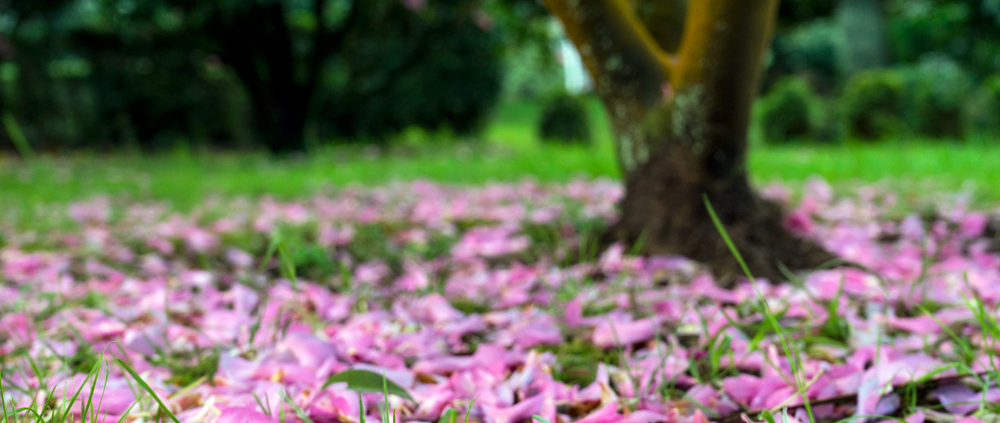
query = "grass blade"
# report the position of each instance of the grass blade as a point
(367, 381)
(17, 136)
(295, 407)
(449, 416)
(468, 411)
(144, 385)
(793, 360)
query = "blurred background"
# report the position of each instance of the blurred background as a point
(292, 74)
(342, 79)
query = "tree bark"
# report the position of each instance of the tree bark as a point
(664, 20)
(681, 122)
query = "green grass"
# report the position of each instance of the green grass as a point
(508, 150)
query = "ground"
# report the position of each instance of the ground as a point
(233, 286)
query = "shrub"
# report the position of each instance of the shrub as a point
(921, 27)
(564, 119)
(447, 76)
(982, 113)
(873, 104)
(937, 90)
(799, 11)
(789, 111)
(809, 49)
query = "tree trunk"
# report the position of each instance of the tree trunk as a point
(681, 121)
(290, 125)
(280, 125)
(663, 208)
(256, 43)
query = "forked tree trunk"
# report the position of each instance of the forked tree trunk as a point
(681, 119)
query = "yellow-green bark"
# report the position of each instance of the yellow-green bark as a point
(664, 20)
(701, 95)
(628, 68)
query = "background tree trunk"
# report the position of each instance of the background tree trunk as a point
(681, 121)
(280, 83)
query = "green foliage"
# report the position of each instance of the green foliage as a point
(468, 306)
(530, 66)
(367, 381)
(449, 416)
(314, 262)
(145, 386)
(918, 28)
(371, 242)
(117, 77)
(16, 136)
(863, 24)
(188, 367)
(795, 12)
(835, 329)
(83, 359)
(789, 111)
(810, 49)
(873, 104)
(435, 69)
(927, 99)
(174, 74)
(708, 368)
(937, 90)
(982, 113)
(564, 119)
(794, 360)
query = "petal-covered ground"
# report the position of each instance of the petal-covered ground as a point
(240, 310)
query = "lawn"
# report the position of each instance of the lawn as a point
(507, 151)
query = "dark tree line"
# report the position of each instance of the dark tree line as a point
(274, 73)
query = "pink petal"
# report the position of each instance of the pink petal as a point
(244, 415)
(612, 334)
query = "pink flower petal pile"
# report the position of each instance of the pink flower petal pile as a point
(491, 294)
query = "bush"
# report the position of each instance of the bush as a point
(564, 119)
(873, 104)
(799, 11)
(789, 111)
(447, 76)
(809, 49)
(927, 99)
(937, 90)
(982, 113)
(921, 27)
(122, 92)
